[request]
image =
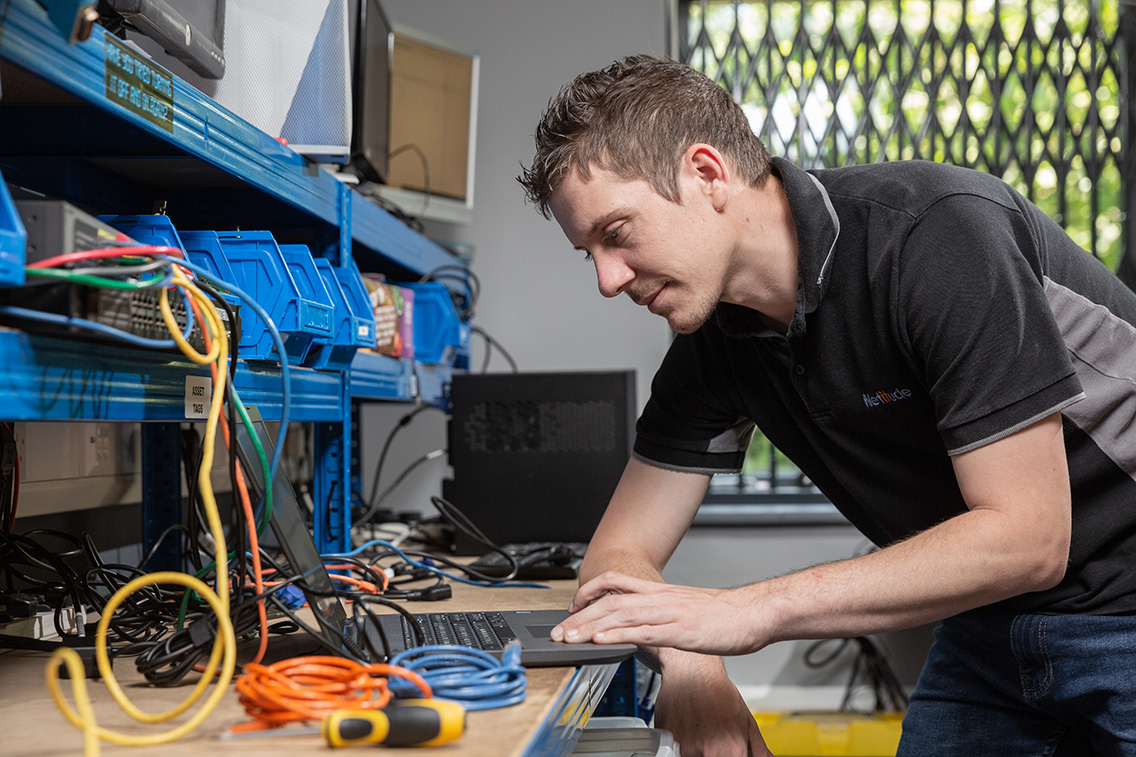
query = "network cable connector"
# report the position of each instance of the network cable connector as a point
(67, 310)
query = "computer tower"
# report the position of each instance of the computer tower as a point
(537, 456)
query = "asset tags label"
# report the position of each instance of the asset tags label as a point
(198, 396)
(139, 85)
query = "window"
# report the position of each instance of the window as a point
(1029, 91)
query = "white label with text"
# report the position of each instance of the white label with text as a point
(198, 395)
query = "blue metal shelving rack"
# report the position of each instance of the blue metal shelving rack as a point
(100, 153)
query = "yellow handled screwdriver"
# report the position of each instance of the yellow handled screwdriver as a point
(407, 722)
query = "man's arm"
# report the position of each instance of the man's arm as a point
(649, 512)
(648, 515)
(1014, 538)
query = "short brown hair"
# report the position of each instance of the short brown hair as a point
(636, 118)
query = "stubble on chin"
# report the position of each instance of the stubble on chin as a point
(689, 321)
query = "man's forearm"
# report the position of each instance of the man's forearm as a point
(1013, 539)
(969, 561)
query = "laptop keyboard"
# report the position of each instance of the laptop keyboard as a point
(483, 630)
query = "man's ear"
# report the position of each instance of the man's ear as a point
(707, 168)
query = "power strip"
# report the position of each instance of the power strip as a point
(40, 626)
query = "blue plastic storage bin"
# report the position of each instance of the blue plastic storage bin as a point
(260, 270)
(13, 241)
(203, 248)
(350, 331)
(438, 331)
(155, 230)
(200, 247)
(317, 307)
(354, 290)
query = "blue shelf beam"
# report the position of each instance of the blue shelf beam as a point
(50, 379)
(246, 158)
(378, 377)
(381, 233)
(200, 126)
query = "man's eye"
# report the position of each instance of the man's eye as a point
(612, 235)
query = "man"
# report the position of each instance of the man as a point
(950, 369)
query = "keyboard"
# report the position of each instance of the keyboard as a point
(483, 630)
(490, 631)
(537, 561)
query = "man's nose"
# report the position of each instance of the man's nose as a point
(613, 274)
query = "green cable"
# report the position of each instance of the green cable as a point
(264, 466)
(98, 281)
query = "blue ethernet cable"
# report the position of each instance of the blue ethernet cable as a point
(476, 679)
(436, 570)
(277, 341)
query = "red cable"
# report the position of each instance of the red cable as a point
(108, 252)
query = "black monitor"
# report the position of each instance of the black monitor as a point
(536, 456)
(371, 87)
(194, 32)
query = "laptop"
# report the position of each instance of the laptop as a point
(489, 630)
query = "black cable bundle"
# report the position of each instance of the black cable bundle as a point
(9, 476)
(870, 670)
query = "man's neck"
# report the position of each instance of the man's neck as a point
(764, 272)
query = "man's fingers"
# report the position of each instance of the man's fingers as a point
(607, 583)
(615, 617)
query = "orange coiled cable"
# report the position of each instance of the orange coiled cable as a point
(310, 688)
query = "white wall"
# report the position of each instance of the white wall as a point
(539, 297)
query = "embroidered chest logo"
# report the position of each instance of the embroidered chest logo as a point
(883, 398)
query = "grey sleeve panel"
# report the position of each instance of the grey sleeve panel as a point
(1103, 348)
(683, 468)
(1059, 407)
(734, 439)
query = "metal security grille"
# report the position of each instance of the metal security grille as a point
(1033, 91)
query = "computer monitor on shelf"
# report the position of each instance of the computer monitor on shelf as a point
(371, 91)
(194, 33)
(433, 129)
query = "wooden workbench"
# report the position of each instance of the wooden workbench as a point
(558, 702)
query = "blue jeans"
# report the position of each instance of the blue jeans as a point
(1036, 685)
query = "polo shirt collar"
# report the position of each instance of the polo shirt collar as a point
(817, 230)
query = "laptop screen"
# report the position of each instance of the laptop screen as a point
(288, 524)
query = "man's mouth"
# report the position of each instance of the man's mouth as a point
(650, 300)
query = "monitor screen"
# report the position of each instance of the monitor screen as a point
(289, 526)
(536, 456)
(371, 88)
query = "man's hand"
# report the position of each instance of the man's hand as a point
(703, 709)
(613, 608)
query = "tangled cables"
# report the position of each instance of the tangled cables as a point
(311, 688)
(467, 675)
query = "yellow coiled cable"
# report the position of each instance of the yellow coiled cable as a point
(224, 647)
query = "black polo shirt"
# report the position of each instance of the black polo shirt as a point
(937, 311)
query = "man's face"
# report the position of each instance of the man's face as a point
(666, 256)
